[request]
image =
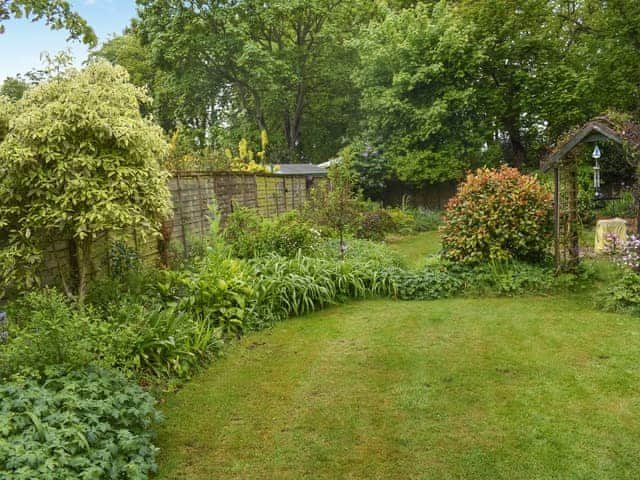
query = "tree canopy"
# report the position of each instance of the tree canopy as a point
(78, 160)
(435, 87)
(57, 14)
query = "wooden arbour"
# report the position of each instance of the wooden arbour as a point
(563, 160)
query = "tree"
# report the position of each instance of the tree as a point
(125, 50)
(57, 14)
(78, 160)
(13, 88)
(282, 65)
(419, 71)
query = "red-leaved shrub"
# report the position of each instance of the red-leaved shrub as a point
(497, 215)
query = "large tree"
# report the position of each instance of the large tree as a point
(419, 74)
(282, 64)
(78, 160)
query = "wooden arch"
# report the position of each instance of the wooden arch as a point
(564, 164)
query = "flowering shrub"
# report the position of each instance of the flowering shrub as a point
(626, 253)
(497, 215)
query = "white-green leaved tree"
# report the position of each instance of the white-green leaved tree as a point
(78, 160)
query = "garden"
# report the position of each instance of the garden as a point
(355, 333)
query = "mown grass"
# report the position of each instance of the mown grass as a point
(529, 388)
(416, 248)
(497, 388)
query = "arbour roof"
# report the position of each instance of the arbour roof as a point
(598, 129)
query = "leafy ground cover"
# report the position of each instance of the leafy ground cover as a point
(462, 388)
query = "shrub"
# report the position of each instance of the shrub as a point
(158, 340)
(510, 278)
(43, 329)
(374, 224)
(623, 294)
(92, 162)
(287, 234)
(215, 293)
(250, 236)
(86, 423)
(241, 232)
(497, 215)
(621, 207)
(403, 221)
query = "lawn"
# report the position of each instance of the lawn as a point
(480, 389)
(416, 247)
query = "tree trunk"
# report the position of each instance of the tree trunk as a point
(518, 152)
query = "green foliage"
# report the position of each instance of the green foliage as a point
(334, 205)
(497, 215)
(43, 330)
(78, 160)
(158, 341)
(122, 259)
(87, 423)
(361, 251)
(426, 220)
(426, 284)
(299, 285)
(283, 66)
(57, 15)
(374, 224)
(6, 112)
(216, 293)
(249, 235)
(417, 74)
(621, 207)
(622, 294)
(402, 221)
(13, 88)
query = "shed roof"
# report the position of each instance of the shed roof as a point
(301, 169)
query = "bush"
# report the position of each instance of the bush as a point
(160, 341)
(621, 207)
(216, 293)
(86, 424)
(622, 295)
(426, 284)
(43, 329)
(497, 215)
(250, 236)
(403, 221)
(374, 224)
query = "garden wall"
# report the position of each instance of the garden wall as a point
(192, 194)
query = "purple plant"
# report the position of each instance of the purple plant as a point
(624, 252)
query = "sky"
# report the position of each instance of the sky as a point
(24, 41)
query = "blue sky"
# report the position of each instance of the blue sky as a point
(24, 41)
